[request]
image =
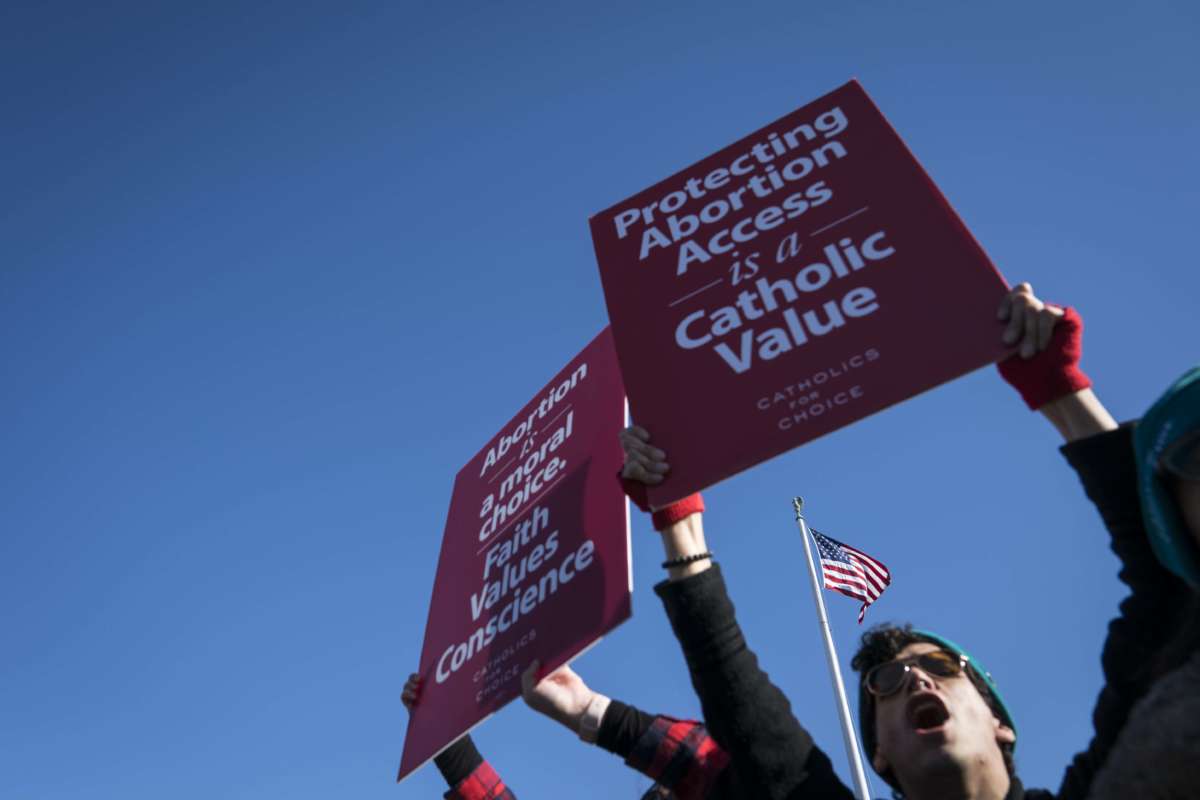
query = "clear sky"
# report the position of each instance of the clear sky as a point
(270, 273)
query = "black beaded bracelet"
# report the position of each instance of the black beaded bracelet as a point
(683, 561)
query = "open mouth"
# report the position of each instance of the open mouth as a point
(926, 713)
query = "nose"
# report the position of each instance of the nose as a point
(918, 679)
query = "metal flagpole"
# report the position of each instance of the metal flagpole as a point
(835, 673)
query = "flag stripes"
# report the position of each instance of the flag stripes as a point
(851, 571)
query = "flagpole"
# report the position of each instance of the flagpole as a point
(835, 672)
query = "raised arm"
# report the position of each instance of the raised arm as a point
(1045, 370)
(467, 774)
(772, 756)
(678, 755)
(680, 525)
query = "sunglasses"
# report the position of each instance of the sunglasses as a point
(1182, 457)
(888, 677)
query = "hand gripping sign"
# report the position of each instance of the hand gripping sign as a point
(535, 556)
(800, 279)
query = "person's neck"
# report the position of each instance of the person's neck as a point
(983, 780)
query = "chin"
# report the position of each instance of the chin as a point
(930, 758)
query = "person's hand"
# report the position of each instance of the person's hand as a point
(562, 695)
(1048, 343)
(644, 462)
(1030, 321)
(412, 691)
(646, 465)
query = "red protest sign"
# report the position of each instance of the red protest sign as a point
(800, 279)
(535, 556)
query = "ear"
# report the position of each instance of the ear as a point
(1004, 734)
(879, 762)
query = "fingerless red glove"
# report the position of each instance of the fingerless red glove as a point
(1054, 372)
(636, 491)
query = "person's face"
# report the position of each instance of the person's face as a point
(934, 723)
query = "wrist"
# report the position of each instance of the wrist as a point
(683, 540)
(1078, 415)
(678, 511)
(588, 724)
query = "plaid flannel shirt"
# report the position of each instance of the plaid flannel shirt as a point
(677, 754)
(680, 755)
(482, 784)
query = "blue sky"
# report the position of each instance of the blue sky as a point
(271, 273)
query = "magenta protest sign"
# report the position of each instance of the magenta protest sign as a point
(535, 556)
(800, 279)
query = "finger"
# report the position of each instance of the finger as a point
(651, 469)
(637, 472)
(630, 446)
(637, 432)
(634, 447)
(1005, 307)
(1046, 322)
(634, 466)
(1029, 340)
(651, 463)
(1016, 322)
(529, 678)
(564, 673)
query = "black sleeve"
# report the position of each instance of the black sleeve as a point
(771, 755)
(1147, 617)
(458, 761)
(621, 727)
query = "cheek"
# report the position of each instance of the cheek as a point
(887, 725)
(977, 709)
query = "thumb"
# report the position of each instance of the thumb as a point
(529, 679)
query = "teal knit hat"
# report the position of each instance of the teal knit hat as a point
(1172, 416)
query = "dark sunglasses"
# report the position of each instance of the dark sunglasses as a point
(888, 677)
(1182, 457)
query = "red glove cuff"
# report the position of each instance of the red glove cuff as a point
(636, 491)
(692, 504)
(1054, 372)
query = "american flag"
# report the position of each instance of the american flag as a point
(851, 572)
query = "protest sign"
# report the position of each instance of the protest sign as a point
(535, 556)
(800, 279)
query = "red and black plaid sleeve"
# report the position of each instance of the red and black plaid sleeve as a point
(680, 755)
(482, 784)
